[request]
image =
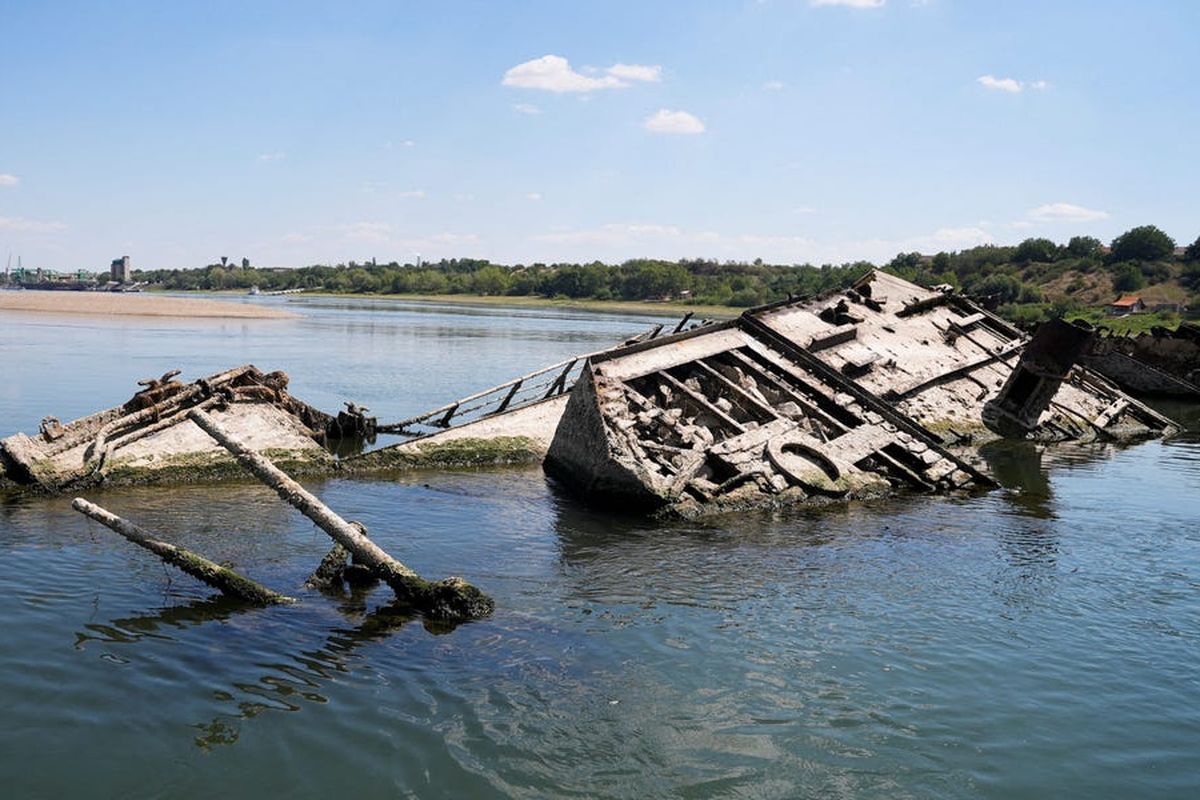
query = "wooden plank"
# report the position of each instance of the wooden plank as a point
(703, 402)
(805, 404)
(746, 397)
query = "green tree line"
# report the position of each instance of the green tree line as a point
(1014, 279)
(697, 281)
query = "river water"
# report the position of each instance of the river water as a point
(1042, 640)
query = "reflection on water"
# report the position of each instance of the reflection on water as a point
(1017, 466)
(134, 629)
(1033, 641)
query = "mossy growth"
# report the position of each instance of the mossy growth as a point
(453, 454)
(212, 466)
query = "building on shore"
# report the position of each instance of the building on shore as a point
(1125, 305)
(121, 271)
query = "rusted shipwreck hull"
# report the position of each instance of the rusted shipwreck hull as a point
(851, 395)
(150, 439)
(1161, 362)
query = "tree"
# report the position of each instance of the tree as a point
(1128, 277)
(1036, 250)
(1083, 246)
(1192, 253)
(490, 280)
(1004, 288)
(1145, 243)
(1190, 277)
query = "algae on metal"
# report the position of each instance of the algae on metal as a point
(451, 454)
(215, 466)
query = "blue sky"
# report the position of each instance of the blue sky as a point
(294, 133)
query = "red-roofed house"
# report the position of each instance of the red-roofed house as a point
(1125, 305)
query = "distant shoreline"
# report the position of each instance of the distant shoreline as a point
(118, 304)
(665, 309)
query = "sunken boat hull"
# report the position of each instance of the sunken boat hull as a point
(873, 390)
(1162, 362)
(149, 439)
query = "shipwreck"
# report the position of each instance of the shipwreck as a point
(150, 439)
(1159, 362)
(884, 386)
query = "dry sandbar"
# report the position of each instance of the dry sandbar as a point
(134, 304)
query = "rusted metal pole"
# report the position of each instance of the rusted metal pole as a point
(222, 578)
(451, 598)
(328, 574)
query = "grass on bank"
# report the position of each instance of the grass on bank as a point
(1131, 325)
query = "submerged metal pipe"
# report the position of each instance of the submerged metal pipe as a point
(451, 598)
(199, 567)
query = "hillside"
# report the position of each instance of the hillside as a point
(1038, 279)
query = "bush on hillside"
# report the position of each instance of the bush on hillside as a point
(1144, 243)
(1036, 250)
(1127, 277)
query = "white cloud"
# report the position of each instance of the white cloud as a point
(848, 3)
(1010, 85)
(650, 236)
(383, 233)
(21, 225)
(374, 232)
(619, 241)
(413, 194)
(447, 238)
(667, 121)
(8, 180)
(636, 72)
(272, 157)
(629, 240)
(553, 73)
(295, 238)
(615, 234)
(534, 196)
(957, 238)
(1066, 212)
(773, 86)
(527, 108)
(804, 210)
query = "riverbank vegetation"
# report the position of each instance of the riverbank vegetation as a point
(1027, 283)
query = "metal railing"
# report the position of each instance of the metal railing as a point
(526, 390)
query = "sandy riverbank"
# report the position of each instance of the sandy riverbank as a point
(665, 309)
(134, 304)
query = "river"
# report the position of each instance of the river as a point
(1042, 640)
